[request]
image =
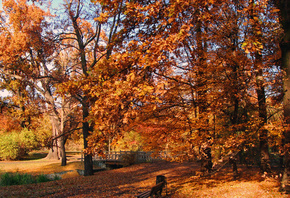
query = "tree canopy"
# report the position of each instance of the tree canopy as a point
(179, 73)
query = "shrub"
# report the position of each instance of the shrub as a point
(9, 146)
(42, 178)
(9, 179)
(14, 145)
(43, 131)
(27, 140)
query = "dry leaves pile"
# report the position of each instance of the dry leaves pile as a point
(183, 181)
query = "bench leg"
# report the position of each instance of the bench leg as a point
(157, 194)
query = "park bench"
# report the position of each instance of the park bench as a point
(156, 190)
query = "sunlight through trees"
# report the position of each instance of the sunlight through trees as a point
(179, 77)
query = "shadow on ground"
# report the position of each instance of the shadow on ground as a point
(183, 181)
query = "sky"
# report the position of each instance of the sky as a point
(54, 3)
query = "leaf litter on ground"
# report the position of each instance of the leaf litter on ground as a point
(183, 179)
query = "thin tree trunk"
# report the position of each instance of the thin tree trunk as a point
(260, 89)
(263, 135)
(88, 160)
(62, 138)
(206, 157)
(235, 86)
(62, 151)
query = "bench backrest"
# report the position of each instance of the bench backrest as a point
(157, 188)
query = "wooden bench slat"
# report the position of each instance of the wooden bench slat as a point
(144, 194)
(154, 190)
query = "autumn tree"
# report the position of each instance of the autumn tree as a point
(27, 53)
(191, 75)
(8, 121)
(199, 75)
(258, 68)
(172, 62)
(92, 30)
(249, 55)
(231, 82)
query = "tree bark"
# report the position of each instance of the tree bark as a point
(88, 159)
(201, 98)
(284, 6)
(263, 134)
(57, 150)
(53, 152)
(62, 151)
(63, 138)
(286, 82)
(54, 149)
(74, 16)
(206, 158)
(260, 90)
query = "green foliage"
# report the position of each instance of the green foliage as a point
(43, 178)
(14, 145)
(9, 146)
(9, 179)
(131, 141)
(43, 131)
(27, 139)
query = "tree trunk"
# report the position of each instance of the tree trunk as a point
(263, 135)
(201, 98)
(54, 149)
(233, 161)
(206, 158)
(53, 152)
(62, 138)
(62, 151)
(57, 150)
(88, 159)
(285, 47)
(286, 82)
(264, 153)
(284, 6)
(260, 90)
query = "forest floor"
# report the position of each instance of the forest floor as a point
(183, 181)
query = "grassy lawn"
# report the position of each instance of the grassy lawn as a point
(183, 181)
(36, 164)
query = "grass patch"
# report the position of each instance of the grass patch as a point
(56, 167)
(9, 179)
(37, 167)
(34, 155)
